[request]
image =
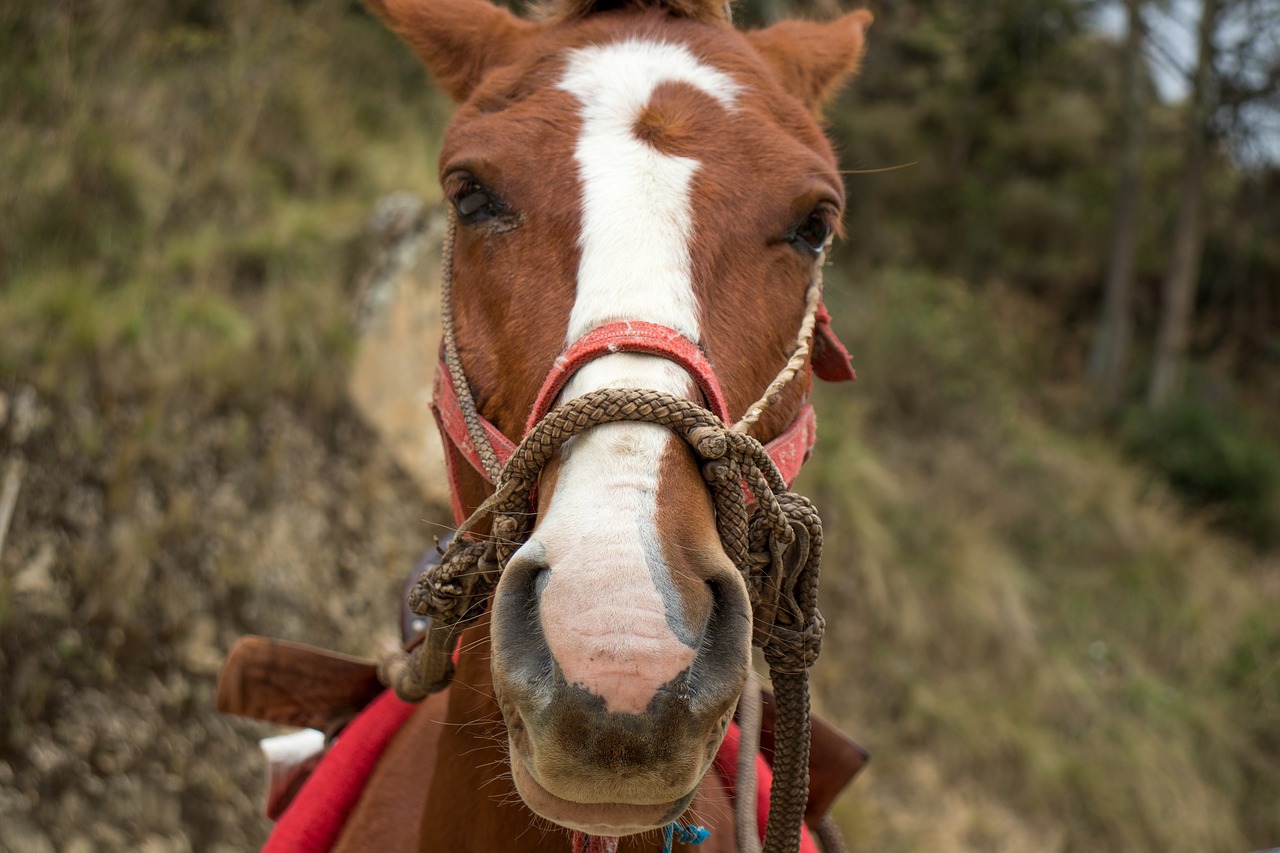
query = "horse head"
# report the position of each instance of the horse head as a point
(626, 162)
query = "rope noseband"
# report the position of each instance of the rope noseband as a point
(775, 541)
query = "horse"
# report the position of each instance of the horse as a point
(641, 197)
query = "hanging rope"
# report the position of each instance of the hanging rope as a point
(750, 715)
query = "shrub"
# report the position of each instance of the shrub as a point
(1212, 457)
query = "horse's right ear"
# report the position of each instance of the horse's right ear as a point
(459, 41)
(812, 59)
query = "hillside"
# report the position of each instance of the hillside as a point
(1047, 641)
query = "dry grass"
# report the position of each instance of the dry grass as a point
(1042, 646)
(179, 202)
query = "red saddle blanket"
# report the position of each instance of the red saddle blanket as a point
(314, 820)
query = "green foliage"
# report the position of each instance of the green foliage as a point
(177, 199)
(1215, 460)
(1068, 663)
(934, 357)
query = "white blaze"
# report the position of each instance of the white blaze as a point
(606, 605)
(636, 219)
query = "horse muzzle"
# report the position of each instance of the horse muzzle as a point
(583, 764)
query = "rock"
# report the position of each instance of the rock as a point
(27, 415)
(36, 577)
(200, 652)
(395, 361)
(19, 833)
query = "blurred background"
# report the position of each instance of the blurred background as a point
(1052, 499)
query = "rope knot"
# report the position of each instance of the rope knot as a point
(776, 549)
(709, 442)
(792, 652)
(506, 527)
(719, 471)
(467, 571)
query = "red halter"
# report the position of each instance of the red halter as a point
(789, 450)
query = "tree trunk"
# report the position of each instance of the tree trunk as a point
(1108, 361)
(1180, 283)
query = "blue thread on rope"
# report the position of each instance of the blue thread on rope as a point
(694, 835)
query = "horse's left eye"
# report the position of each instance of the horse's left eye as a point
(812, 234)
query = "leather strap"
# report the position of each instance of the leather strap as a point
(635, 336)
(292, 684)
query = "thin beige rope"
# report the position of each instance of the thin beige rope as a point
(799, 356)
(750, 716)
(830, 838)
(461, 388)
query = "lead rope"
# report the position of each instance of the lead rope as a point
(777, 548)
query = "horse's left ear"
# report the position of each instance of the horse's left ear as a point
(811, 58)
(458, 40)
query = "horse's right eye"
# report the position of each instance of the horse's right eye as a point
(475, 204)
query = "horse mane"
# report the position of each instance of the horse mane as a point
(716, 11)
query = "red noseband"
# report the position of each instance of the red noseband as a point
(789, 450)
(635, 336)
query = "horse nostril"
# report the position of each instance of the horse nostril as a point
(526, 574)
(725, 653)
(716, 588)
(521, 657)
(729, 604)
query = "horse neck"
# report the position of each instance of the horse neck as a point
(468, 805)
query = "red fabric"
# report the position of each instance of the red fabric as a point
(830, 360)
(449, 414)
(630, 336)
(456, 439)
(791, 449)
(451, 453)
(314, 820)
(726, 764)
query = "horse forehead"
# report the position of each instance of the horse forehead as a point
(616, 80)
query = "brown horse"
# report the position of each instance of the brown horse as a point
(611, 162)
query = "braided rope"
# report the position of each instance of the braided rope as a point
(776, 544)
(461, 388)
